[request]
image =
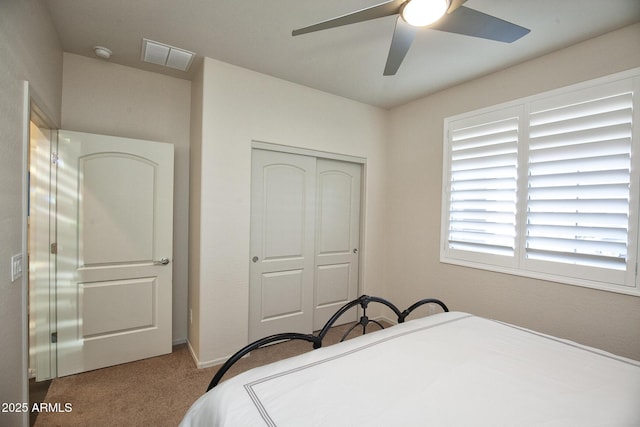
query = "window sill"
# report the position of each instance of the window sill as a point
(589, 284)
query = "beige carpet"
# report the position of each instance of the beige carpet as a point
(152, 392)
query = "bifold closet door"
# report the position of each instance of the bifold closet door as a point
(305, 223)
(282, 243)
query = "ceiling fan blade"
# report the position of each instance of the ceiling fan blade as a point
(455, 4)
(470, 22)
(373, 12)
(403, 36)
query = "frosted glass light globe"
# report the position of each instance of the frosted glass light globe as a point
(420, 13)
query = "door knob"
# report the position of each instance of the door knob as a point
(355, 251)
(255, 259)
(163, 261)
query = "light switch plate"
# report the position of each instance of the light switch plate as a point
(16, 267)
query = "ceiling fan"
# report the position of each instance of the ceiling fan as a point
(443, 15)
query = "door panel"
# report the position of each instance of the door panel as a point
(338, 239)
(285, 201)
(117, 305)
(282, 243)
(334, 211)
(118, 223)
(115, 215)
(333, 277)
(282, 294)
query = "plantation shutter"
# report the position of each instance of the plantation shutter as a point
(578, 187)
(548, 186)
(483, 183)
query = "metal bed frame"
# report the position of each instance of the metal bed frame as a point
(363, 301)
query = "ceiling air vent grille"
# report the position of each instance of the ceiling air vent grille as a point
(165, 55)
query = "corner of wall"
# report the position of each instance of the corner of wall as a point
(195, 229)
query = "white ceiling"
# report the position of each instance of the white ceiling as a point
(346, 61)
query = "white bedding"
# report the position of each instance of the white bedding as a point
(450, 369)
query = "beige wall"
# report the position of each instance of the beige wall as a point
(240, 106)
(602, 319)
(29, 50)
(110, 99)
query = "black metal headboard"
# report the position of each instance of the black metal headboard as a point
(363, 301)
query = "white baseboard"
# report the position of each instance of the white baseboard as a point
(206, 364)
(386, 319)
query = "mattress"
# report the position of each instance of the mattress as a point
(449, 369)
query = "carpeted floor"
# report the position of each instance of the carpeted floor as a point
(151, 392)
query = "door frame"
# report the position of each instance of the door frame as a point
(32, 105)
(42, 257)
(34, 112)
(261, 145)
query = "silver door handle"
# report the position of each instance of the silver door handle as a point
(255, 259)
(163, 261)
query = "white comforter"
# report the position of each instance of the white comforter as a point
(451, 369)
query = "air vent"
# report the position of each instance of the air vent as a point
(165, 55)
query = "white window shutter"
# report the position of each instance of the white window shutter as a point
(578, 186)
(548, 186)
(482, 185)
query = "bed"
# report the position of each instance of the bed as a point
(447, 369)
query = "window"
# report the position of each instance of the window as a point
(547, 186)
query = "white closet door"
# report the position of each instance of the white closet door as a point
(282, 243)
(337, 239)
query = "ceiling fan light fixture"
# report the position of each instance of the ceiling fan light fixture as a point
(421, 13)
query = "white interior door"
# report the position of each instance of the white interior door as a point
(337, 239)
(282, 243)
(115, 215)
